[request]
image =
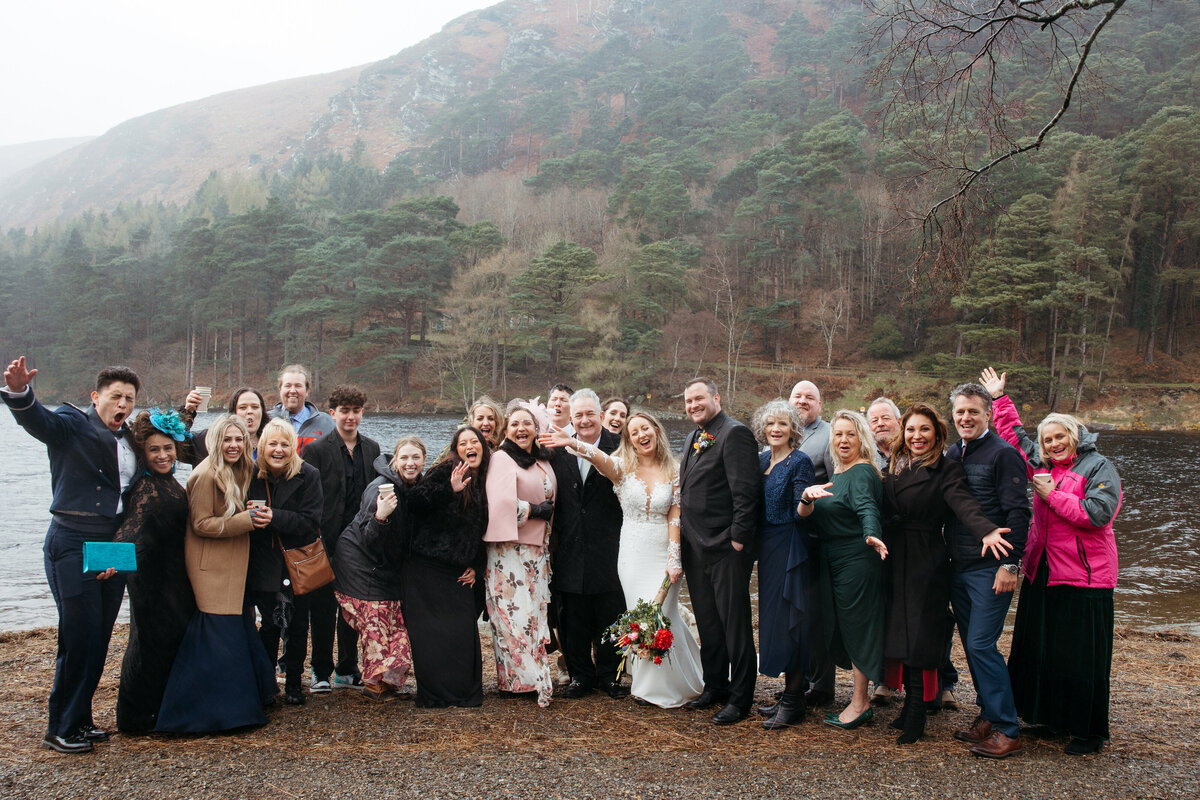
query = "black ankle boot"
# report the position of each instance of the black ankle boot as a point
(769, 711)
(912, 718)
(789, 711)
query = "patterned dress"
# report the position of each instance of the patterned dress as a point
(517, 577)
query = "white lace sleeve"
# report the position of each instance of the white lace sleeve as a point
(676, 497)
(593, 454)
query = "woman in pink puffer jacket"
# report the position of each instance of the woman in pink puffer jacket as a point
(1061, 655)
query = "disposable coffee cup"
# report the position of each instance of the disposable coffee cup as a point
(386, 489)
(205, 396)
(1044, 479)
(256, 504)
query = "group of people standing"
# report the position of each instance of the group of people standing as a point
(551, 520)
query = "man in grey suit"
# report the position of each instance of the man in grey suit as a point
(814, 443)
(814, 431)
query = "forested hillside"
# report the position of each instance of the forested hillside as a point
(651, 189)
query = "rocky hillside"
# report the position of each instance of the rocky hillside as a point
(389, 105)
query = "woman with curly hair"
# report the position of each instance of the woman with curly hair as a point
(160, 597)
(786, 569)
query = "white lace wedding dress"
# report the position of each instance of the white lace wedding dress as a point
(642, 565)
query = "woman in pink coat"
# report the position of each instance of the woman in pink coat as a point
(1061, 655)
(520, 497)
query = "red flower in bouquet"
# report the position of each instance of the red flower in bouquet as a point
(643, 631)
(663, 639)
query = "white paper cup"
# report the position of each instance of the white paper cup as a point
(386, 489)
(1044, 479)
(205, 396)
(256, 504)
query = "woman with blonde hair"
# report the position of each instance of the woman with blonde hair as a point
(645, 477)
(220, 640)
(845, 513)
(487, 417)
(289, 489)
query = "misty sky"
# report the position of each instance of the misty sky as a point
(80, 67)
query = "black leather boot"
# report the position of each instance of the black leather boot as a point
(913, 715)
(789, 711)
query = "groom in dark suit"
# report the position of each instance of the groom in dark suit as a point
(587, 537)
(721, 492)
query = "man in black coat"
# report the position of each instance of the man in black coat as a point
(344, 457)
(587, 536)
(721, 495)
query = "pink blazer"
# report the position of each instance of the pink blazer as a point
(506, 484)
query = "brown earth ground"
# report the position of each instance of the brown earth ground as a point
(341, 745)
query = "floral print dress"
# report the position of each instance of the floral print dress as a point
(517, 577)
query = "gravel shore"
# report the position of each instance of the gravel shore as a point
(341, 745)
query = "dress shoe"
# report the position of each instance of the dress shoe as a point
(769, 711)
(884, 695)
(93, 734)
(1082, 747)
(861, 719)
(730, 714)
(641, 702)
(980, 729)
(576, 689)
(707, 699)
(997, 745)
(67, 744)
(815, 698)
(293, 696)
(614, 689)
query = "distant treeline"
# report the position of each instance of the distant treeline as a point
(660, 205)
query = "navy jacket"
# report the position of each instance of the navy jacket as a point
(83, 457)
(996, 476)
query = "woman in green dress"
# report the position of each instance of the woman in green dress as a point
(846, 515)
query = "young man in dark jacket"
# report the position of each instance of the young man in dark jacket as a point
(344, 457)
(981, 588)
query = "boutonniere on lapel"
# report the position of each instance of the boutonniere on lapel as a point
(703, 442)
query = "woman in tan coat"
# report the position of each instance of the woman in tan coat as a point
(222, 676)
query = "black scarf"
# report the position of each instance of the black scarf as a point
(524, 460)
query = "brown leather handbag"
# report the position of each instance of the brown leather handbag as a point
(308, 566)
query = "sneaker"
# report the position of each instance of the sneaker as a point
(353, 681)
(948, 701)
(280, 675)
(319, 687)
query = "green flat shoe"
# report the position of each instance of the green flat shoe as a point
(861, 719)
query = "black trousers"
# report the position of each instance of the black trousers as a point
(295, 648)
(719, 585)
(582, 619)
(87, 610)
(326, 617)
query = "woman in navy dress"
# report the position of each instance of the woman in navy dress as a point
(785, 569)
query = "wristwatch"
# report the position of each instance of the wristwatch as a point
(1013, 569)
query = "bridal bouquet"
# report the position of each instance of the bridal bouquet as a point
(642, 631)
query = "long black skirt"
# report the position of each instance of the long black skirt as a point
(221, 678)
(1061, 659)
(440, 614)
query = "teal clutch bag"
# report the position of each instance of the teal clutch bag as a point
(99, 556)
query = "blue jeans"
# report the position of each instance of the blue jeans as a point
(980, 614)
(87, 610)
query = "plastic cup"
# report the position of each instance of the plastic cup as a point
(205, 396)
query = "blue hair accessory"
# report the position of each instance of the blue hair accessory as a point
(169, 423)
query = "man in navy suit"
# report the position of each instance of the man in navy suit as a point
(720, 488)
(92, 464)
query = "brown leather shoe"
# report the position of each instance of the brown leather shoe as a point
(997, 746)
(980, 729)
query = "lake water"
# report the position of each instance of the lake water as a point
(1156, 530)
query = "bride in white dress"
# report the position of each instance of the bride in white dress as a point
(646, 480)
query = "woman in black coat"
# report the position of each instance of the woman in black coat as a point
(923, 492)
(448, 516)
(160, 596)
(367, 563)
(290, 488)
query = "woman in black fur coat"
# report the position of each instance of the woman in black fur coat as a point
(448, 513)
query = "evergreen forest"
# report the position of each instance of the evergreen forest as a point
(682, 198)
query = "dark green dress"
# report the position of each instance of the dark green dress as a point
(852, 590)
